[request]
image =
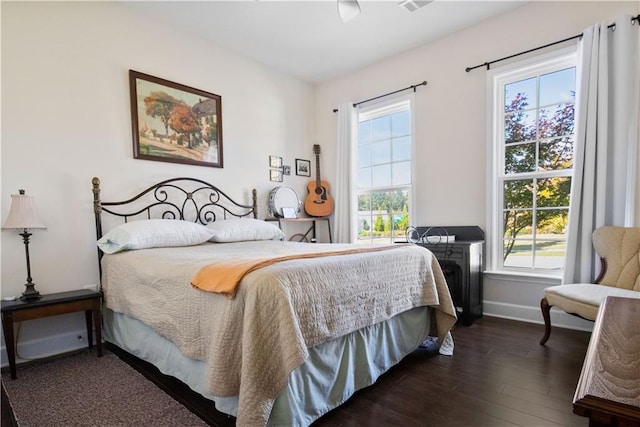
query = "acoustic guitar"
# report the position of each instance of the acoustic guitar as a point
(318, 201)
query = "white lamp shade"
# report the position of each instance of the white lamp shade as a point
(22, 214)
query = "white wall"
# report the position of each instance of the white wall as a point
(66, 118)
(451, 121)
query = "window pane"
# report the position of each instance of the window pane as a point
(401, 149)
(381, 128)
(381, 152)
(559, 86)
(552, 223)
(364, 155)
(517, 223)
(537, 121)
(399, 205)
(381, 226)
(381, 176)
(401, 173)
(519, 95)
(364, 217)
(384, 160)
(556, 154)
(364, 203)
(400, 124)
(399, 200)
(518, 194)
(400, 224)
(364, 178)
(519, 126)
(364, 228)
(520, 158)
(550, 254)
(556, 120)
(364, 132)
(518, 253)
(380, 202)
(553, 192)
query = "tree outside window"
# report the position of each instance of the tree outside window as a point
(538, 135)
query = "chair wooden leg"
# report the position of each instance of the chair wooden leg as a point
(545, 308)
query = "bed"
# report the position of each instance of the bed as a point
(274, 332)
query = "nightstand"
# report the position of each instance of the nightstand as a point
(51, 305)
(304, 237)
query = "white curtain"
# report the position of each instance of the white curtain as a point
(344, 222)
(606, 147)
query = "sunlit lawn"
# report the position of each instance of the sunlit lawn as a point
(543, 247)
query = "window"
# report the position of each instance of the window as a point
(384, 172)
(532, 164)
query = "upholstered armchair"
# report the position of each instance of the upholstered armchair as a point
(619, 251)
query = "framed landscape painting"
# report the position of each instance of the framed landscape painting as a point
(175, 123)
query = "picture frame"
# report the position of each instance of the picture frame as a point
(286, 170)
(275, 162)
(303, 167)
(275, 175)
(175, 123)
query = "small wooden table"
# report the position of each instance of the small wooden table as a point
(52, 305)
(311, 231)
(608, 390)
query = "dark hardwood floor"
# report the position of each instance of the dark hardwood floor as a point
(498, 376)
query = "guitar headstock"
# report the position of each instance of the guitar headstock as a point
(316, 149)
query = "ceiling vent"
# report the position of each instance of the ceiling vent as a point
(413, 5)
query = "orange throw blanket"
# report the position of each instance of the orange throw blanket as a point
(224, 277)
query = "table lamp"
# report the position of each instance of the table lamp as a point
(22, 216)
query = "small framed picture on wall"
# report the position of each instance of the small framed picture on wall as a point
(275, 175)
(275, 162)
(303, 167)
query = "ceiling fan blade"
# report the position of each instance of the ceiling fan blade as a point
(348, 9)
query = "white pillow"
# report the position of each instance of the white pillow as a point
(243, 229)
(154, 233)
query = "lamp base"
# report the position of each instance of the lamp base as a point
(30, 293)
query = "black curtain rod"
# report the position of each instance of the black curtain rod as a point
(488, 64)
(355, 104)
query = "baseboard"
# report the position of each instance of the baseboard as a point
(530, 314)
(47, 346)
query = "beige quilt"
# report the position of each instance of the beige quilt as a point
(252, 342)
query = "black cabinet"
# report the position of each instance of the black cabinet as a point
(462, 262)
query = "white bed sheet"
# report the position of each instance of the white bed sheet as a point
(333, 372)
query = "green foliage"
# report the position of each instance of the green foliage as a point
(388, 212)
(379, 224)
(552, 139)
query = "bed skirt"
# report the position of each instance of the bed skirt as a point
(333, 372)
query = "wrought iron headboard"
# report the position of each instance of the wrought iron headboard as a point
(186, 199)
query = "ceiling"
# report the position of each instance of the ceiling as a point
(308, 40)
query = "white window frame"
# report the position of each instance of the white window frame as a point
(496, 79)
(386, 106)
